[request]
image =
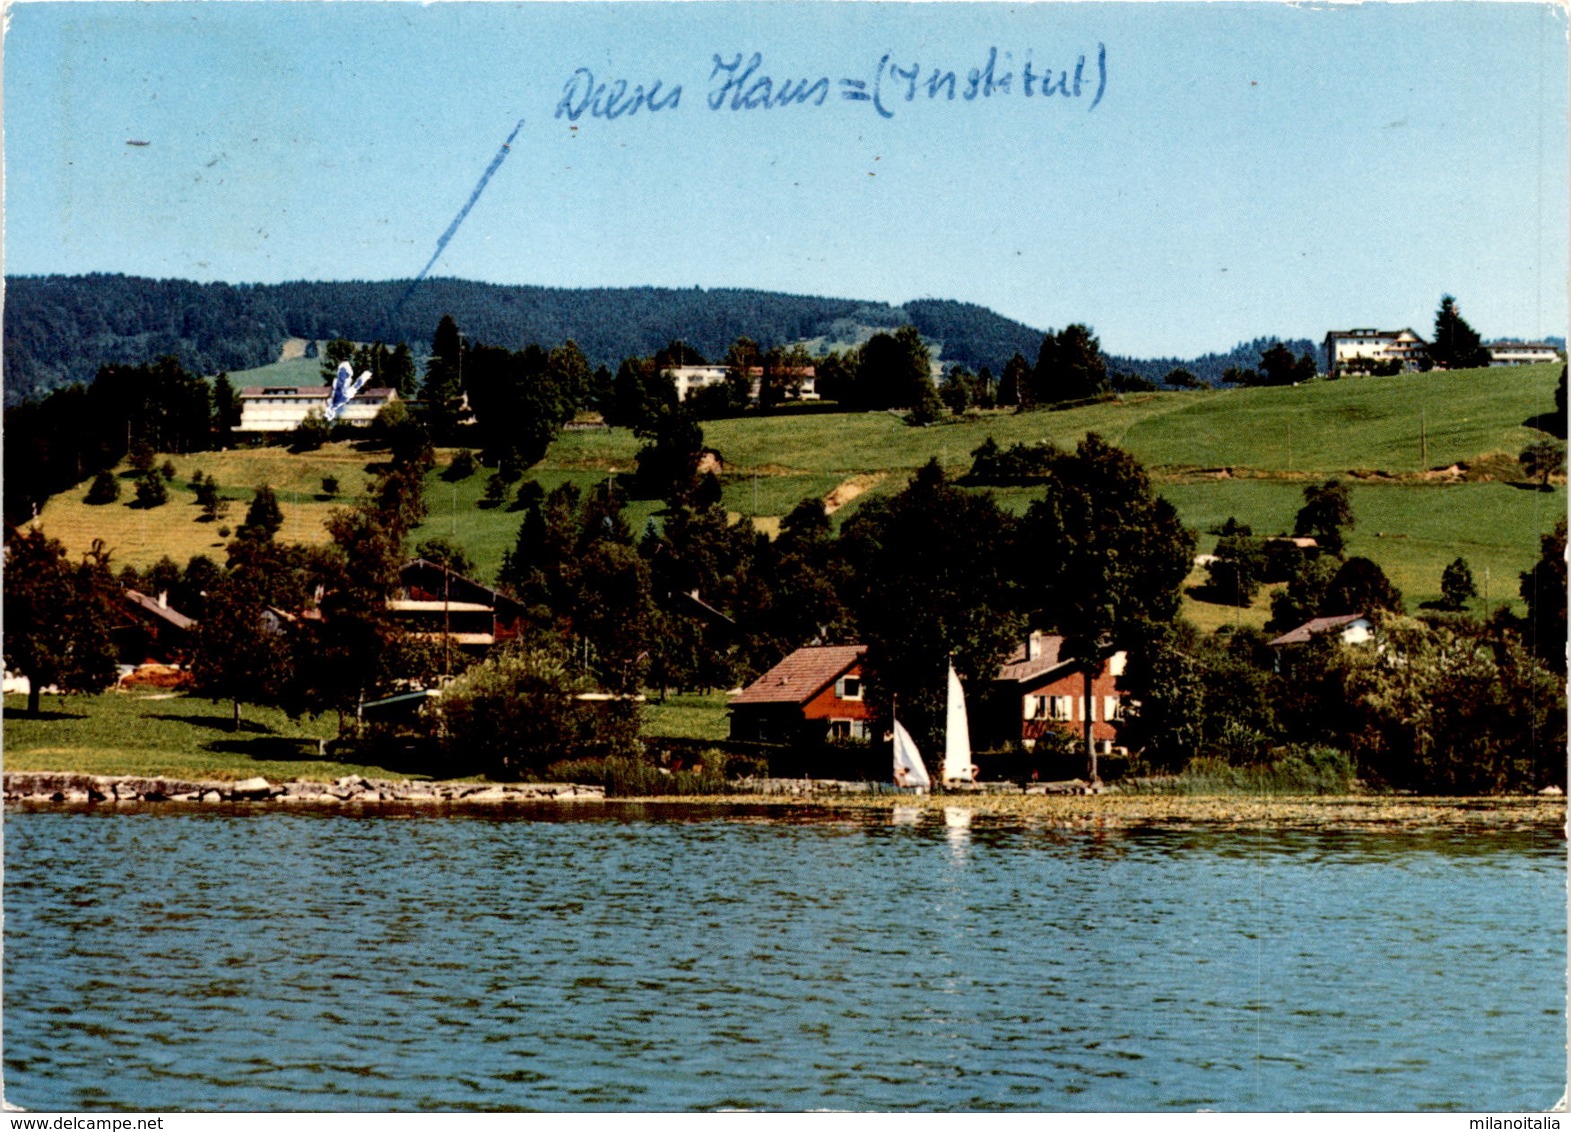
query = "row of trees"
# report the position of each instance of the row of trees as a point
(1452, 706)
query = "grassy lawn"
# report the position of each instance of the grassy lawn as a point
(188, 737)
(293, 371)
(177, 737)
(691, 716)
(1412, 531)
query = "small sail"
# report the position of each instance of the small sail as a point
(909, 770)
(957, 736)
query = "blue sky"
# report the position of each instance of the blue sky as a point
(1251, 169)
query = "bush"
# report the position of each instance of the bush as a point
(1288, 770)
(523, 710)
(105, 489)
(462, 467)
(330, 485)
(712, 772)
(151, 490)
(311, 433)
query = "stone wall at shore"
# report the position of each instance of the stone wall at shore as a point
(45, 787)
(817, 787)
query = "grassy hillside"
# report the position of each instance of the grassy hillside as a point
(290, 371)
(1246, 453)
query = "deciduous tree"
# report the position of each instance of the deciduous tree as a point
(1543, 458)
(1326, 513)
(523, 709)
(57, 617)
(931, 584)
(1102, 553)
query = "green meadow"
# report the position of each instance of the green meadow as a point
(1245, 453)
(170, 735)
(176, 735)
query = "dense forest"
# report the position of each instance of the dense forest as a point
(62, 329)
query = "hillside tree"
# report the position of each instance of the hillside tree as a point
(1069, 366)
(1457, 585)
(1326, 513)
(1543, 588)
(1543, 458)
(1456, 345)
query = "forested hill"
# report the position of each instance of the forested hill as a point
(61, 329)
(1210, 367)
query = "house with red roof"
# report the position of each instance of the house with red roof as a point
(1353, 628)
(815, 692)
(1349, 628)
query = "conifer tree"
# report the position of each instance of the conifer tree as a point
(1456, 344)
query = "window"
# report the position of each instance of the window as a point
(848, 688)
(848, 729)
(1063, 707)
(1112, 708)
(1036, 707)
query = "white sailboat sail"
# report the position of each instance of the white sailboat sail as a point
(909, 770)
(957, 735)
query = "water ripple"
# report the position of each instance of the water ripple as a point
(654, 958)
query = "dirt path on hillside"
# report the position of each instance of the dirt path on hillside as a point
(849, 489)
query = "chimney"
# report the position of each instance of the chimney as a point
(163, 599)
(1032, 645)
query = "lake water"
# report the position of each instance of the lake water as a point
(646, 958)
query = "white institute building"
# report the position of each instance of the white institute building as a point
(1402, 346)
(1406, 347)
(281, 408)
(1522, 353)
(801, 381)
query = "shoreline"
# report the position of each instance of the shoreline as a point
(41, 789)
(71, 788)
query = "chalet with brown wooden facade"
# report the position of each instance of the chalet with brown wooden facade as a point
(148, 630)
(814, 693)
(440, 604)
(1038, 689)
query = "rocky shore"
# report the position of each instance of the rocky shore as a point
(43, 787)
